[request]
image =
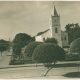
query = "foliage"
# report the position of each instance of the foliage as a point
(20, 40)
(48, 53)
(75, 47)
(51, 40)
(16, 49)
(73, 31)
(72, 57)
(74, 53)
(4, 45)
(30, 48)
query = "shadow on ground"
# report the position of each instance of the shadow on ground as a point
(72, 75)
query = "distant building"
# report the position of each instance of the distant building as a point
(54, 31)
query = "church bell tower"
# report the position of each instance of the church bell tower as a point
(55, 27)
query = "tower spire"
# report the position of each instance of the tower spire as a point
(55, 11)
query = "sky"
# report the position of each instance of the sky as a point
(32, 17)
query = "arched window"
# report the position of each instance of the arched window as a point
(56, 31)
(55, 20)
(65, 38)
(61, 38)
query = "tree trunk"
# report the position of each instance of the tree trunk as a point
(50, 68)
(55, 62)
(36, 64)
(78, 67)
(19, 57)
(1, 53)
(48, 71)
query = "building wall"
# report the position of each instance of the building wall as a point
(39, 38)
(43, 37)
(47, 35)
(56, 29)
(64, 39)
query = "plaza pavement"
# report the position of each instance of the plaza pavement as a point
(31, 71)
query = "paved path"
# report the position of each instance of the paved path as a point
(4, 59)
(35, 73)
(31, 71)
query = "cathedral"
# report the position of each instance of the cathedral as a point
(54, 31)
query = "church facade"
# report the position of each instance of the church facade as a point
(54, 31)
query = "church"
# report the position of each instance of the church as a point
(54, 31)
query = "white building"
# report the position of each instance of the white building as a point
(54, 31)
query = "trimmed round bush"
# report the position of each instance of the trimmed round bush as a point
(51, 40)
(48, 53)
(75, 46)
(30, 48)
(75, 50)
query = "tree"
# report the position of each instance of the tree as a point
(73, 31)
(47, 54)
(4, 45)
(21, 40)
(30, 48)
(16, 49)
(75, 50)
(75, 47)
(51, 40)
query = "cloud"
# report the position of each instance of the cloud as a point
(34, 16)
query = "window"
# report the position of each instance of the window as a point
(61, 38)
(55, 20)
(65, 38)
(56, 31)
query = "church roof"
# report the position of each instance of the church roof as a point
(40, 33)
(55, 12)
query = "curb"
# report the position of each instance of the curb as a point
(20, 66)
(29, 65)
